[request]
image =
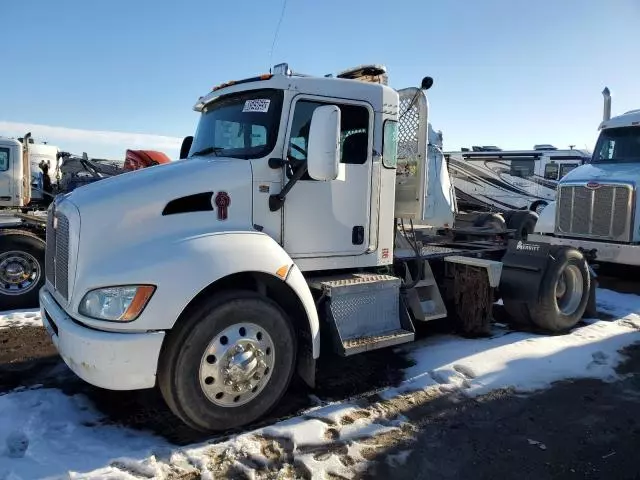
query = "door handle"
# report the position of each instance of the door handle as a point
(357, 235)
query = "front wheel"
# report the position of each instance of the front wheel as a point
(21, 269)
(229, 362)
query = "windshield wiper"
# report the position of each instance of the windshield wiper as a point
(207, 151)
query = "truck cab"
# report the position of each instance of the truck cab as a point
(21, 177)
(15, 172)
(212, 277)
(597, 206)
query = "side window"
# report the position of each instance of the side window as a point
(390, 144)
(566, 168)
(354, 134)
(258, 135)
(551, 171)
(4, 159)
(522, 168)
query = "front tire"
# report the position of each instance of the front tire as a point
(21, 269)
(229, 362)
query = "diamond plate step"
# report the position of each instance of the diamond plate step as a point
(372, 342)
(364, 311)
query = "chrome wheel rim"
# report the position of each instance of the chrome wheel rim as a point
(19, 272)
(237, 365)
(569, 289)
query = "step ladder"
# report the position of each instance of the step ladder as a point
(424, 299)
(364, 311)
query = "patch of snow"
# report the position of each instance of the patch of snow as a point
(619, 305)
(63, 434)
(65, 438)
(20, 318)
(526, 361)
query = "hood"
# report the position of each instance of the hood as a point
(621, 172)
(174, 200)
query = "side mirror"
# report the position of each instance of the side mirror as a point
(323, 153)
(185, 147)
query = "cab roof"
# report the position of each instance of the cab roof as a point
(329, 86)
(627, 119)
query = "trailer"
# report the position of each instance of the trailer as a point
(299, 220)
(23, 212)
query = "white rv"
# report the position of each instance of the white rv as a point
(488, 178)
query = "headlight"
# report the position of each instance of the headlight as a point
(116, 304)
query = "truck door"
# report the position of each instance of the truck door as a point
(6, 177)
(323, 219)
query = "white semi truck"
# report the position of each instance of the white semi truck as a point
(22, 178)
(597, 207)
(283, 233)
(31, 175)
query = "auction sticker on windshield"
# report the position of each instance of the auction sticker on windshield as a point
(257, 105)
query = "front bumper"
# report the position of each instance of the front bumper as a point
(605, 252)
(115, 361)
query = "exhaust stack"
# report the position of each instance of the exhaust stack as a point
(606, 114)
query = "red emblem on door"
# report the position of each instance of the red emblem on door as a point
(222, 201)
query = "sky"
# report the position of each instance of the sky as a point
(101, 77)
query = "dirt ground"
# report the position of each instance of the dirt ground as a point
(575, 430)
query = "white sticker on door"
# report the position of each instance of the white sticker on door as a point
(257, 105)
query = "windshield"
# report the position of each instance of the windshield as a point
(618, 145)
(243, 125)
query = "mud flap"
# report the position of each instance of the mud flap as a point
(591, 311)
(523, 268)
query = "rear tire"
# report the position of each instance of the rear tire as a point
(564, 292)
(494, 221)
(228, 362)
(21, 269)
(538, 207)
(523, 222)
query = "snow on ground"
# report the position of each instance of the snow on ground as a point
(64, 433)
(20, 318)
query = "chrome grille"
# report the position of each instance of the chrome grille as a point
(57, 252)
(49, 261)
(604, 212)
(62, 256)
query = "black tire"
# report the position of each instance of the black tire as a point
(534, 208)
(23, 246)
(490, 220)
(186, 344)
(523, 222)
(547, 313)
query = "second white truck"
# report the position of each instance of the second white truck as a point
(284, 232)
(597, 207)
